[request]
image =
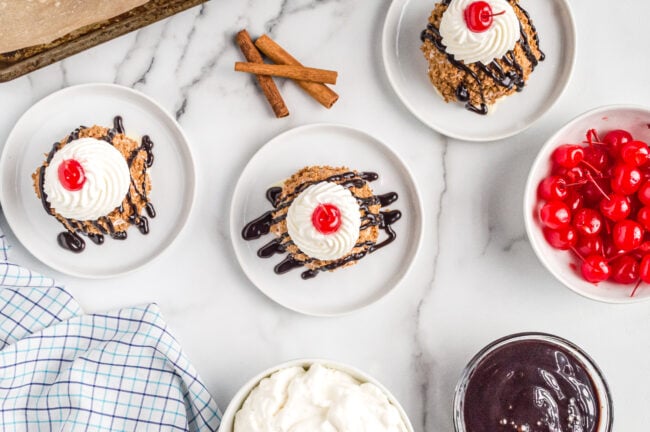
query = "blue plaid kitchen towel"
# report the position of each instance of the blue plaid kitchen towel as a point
(62, 370)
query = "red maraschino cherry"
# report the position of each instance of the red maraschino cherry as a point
(626, 179)
(625, 270)
(574, 200)
(555, 214)
(627, 235)
(71, 175)
(564, 238)
(588, 222)
(568, 155)
(597, 157)
(589, 245)
(553, 188)
(616, 139)
(644, 273)
(326, 218)
(479, 16)
(643, 217)
(635, 153)
(644, 193)
(616, 207)
(595, 269)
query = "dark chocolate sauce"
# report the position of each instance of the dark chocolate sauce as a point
(513, 77)
(147, 145)
(387, 198)
(118, 124)
(288, 263)
(41, 178)
(462, 93)
(432, 34)
(258, 227)
(100, 227)
(71, 239)
(151, 211)
(271, 248)
(120, 235)
(273, 194)
(98, 239)
(542, 56)
(143, 225)
(532, 386)
(383, 220)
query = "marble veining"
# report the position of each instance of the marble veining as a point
(423, 359)
(476, 278)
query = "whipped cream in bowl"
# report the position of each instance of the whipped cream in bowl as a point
(317, 396)
(470, 46)
(107, 180)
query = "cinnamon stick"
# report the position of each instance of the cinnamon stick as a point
(266, 82)
(289, 71)
(323, 94)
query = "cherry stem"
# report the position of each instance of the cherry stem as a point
(635, 288)
(579, 183)
(498, 13)
(591, 135)
(575, 251)
(598, 186)
(590, 166)
(617, 255)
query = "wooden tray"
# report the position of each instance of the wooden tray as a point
(23, 61)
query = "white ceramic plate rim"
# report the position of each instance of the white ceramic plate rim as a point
(391, 23)
(417, 204)
(228, 418)
(531, 195)
(191, 189)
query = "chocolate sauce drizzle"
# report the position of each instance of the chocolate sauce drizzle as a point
(71, 239)
(383, 220)
(512, 78)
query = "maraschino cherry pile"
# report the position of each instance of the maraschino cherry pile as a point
(596, 204)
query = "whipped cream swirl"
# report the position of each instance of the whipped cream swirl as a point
(107, 180)
(308, 238)
(484, 47)
(317, 400)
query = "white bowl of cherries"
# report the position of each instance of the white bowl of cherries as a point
(587, 204)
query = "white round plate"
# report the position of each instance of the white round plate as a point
(407, 72)
(228, 418)
(344, 290)
(172, 177)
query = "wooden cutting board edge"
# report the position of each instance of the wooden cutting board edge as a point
(96, 36)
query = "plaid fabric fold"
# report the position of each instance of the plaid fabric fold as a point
(65, 371)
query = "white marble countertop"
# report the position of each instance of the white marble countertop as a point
(476, 278)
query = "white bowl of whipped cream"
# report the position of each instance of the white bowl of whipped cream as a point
(317, 396)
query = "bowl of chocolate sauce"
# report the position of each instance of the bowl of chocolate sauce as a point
(532, 382)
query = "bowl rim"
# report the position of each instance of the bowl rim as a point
(530, 195)
(228, 417)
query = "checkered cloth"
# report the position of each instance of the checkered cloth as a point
(65, 371)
